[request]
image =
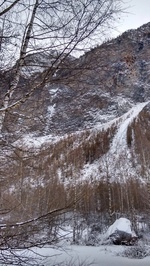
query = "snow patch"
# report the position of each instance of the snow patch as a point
(53, 92)
(50, 111)
(85, 255)
(31, 141)
(90, 171)
(119, 141)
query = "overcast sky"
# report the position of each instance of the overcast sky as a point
(138, 14)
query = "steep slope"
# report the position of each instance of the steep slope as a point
(88, 125)
(120, 162)
(85, 94)
(96, 88)
(35, 170)
(110, 149)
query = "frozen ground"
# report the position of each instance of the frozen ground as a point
(65, 254)
(100, 256)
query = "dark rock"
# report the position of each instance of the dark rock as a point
(123, 238)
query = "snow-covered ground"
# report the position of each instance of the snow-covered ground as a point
(87, 255)
(65, 254)
(102, 255)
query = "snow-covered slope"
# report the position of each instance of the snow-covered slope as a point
(119, 142)
(118, 162)
(85, 126)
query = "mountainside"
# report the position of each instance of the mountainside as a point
(89, 122)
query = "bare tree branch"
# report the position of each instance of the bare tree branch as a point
(9, 7)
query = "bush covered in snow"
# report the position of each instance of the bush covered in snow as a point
(136, 252)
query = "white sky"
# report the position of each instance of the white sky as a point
(138, 13)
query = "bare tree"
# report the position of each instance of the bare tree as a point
(58, 28)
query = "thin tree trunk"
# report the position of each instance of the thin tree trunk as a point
(19, 65)
(75, 212)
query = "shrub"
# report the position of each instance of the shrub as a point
(136, 252)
